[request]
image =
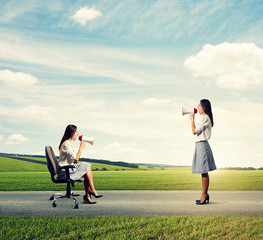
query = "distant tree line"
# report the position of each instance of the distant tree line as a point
(121, 164)
(21, 155)
(240, 168)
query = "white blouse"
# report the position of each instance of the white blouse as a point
(67, 155)
(203, 129)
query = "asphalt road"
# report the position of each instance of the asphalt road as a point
(135, 203)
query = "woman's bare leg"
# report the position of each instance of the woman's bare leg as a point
(87, 188)
(205, 186)
(91, 183)
(86, 185)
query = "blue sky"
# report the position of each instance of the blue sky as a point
(122, 70)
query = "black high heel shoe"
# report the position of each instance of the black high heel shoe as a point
(199, 199)
(86, 200)
(204, 202)
(98, 196)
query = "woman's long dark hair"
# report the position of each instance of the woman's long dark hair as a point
(206, 105)
(70, 130)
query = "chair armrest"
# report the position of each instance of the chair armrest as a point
(67, 167)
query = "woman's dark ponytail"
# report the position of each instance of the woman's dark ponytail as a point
(206, 105)
(70, 130)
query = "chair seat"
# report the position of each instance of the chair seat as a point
(64, 180)
(81, 179)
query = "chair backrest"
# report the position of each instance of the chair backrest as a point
(52, 162)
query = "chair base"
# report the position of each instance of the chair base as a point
(60, 195)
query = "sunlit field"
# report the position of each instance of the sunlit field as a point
(25, 176)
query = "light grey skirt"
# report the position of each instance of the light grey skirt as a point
(77, 172)
(203, 160)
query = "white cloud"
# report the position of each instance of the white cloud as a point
(1, 138)
(36, 113)
(116, 151)
(143, 66)
(16, 139)
(32, 113)
(156, 101)
(232, 65)
(122, 151)
(13, 79)
(85, 14)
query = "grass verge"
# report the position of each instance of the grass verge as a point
(131, 228)
(17, 175)
(175, 179)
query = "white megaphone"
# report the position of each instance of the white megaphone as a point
(188, 111)
(89, 140)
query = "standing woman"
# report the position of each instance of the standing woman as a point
(203, 160)
(67, 156)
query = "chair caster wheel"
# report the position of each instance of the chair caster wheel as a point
(76, 206)
(54, 204)
(51, 198)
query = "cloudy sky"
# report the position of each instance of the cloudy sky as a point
(122, 70)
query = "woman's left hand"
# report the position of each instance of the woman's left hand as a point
(82, 144)
(192, 117)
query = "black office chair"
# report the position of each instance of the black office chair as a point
(53, 168)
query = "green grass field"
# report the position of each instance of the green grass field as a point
(131, 228)
(25, 176)
(16, 175)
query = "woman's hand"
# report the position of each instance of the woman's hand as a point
(192, 118)
(82, 144)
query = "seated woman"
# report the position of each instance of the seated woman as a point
(67, 156)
